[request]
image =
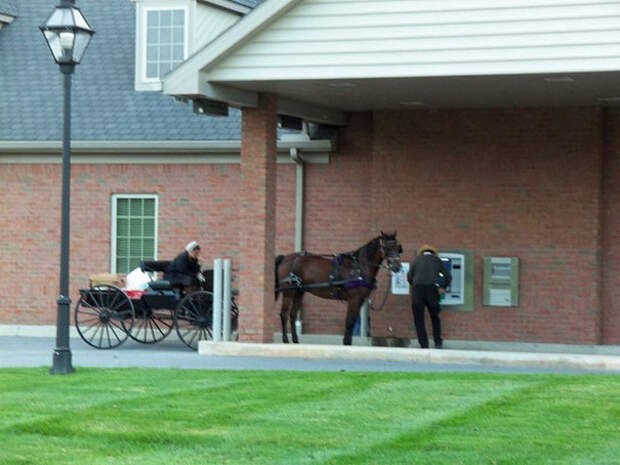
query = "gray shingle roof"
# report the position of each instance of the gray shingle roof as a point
(104, 103)
(8, 7)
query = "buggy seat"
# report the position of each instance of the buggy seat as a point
(158, 266)
(154, 265)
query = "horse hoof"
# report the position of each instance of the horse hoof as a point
(346, 343)
(285, 341)
(295, 340)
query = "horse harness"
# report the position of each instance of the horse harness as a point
(335, 280)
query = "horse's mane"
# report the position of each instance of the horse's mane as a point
(368, 250)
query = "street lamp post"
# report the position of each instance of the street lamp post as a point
(67, 34)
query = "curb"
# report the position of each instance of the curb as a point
(609, 363)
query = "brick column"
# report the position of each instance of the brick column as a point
(610, 255)
(257, 223)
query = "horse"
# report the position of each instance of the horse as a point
(348, 276)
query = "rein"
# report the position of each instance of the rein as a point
(385, 296)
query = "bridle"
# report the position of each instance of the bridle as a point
(391, 250)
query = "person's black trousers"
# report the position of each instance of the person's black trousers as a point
(426, 296)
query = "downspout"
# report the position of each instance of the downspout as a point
(299, 206)
(299, 198)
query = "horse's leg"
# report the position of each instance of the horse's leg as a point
(294, 311)
(353, 310)
(284, 311)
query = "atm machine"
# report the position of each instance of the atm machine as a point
(455, 292)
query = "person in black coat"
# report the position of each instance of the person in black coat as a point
(182, 272)
(429, 279)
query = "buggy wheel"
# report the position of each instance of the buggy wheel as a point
(104, 316)
(234, 320)
(152, 326)
(193, 318)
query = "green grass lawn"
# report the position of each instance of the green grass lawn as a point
(123, 416)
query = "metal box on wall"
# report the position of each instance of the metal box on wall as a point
(501, 282)
(455, 264)
(460, 295)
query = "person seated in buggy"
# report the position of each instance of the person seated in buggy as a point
(182, 272)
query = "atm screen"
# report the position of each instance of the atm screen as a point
(454, 263)
(447, 262)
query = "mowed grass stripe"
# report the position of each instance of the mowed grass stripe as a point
(378, 424)
(563, 421)
(175, 416)
(37, 406)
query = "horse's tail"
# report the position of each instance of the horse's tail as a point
(279, 259)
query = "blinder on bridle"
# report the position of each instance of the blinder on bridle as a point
(391, 251)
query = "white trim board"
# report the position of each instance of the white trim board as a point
(149, 159)
(152, 147)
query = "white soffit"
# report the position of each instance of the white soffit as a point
(352, 95)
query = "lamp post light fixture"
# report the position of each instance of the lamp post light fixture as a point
(67, 34)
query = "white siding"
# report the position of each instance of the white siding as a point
(208, 23)
(330, 39)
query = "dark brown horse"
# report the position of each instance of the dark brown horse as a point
(348, 276)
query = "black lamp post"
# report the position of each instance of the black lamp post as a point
(67, 33)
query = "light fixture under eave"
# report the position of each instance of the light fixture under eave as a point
(342, 85)
(615, 99)
(559, 79)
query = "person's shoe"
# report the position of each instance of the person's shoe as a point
(439, 345)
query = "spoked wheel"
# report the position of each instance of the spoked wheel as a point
(234, 323)
(104, 316)
(152, 326)
(193, 318)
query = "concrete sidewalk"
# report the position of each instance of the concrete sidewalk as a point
(601, 363)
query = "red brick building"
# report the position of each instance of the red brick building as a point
(494, 165)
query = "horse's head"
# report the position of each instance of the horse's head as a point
(391, 249)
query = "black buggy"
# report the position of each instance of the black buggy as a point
(105, 315)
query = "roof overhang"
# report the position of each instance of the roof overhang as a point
(329, 100)
(189, 81)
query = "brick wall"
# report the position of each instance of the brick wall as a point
(337, 214)
(539, 184)
(195, 202)
(508, 183)
(257, 222)
(611, 233)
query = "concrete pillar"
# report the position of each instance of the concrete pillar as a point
(257, 222)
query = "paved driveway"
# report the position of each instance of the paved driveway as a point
(37, 351)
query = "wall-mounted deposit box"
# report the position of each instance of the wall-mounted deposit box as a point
(501, 282)
(455, 264)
